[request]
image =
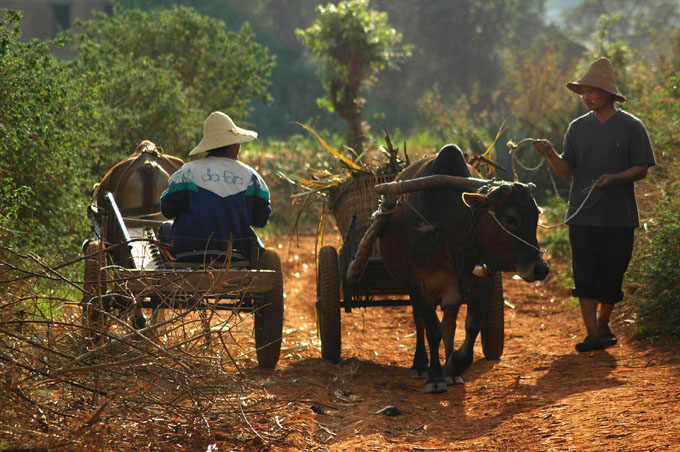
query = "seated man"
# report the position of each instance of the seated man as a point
(217, 198)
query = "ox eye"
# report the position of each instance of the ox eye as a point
(512, 220)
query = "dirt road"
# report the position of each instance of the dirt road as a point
(540, 396)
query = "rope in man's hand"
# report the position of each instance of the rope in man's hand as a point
(515, 161)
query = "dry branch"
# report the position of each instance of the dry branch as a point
(135, 387)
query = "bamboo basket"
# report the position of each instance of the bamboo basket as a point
(356, 196)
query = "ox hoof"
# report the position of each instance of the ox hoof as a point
(457, 380)
(435, 387)
(418, 374)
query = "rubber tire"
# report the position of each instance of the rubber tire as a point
(328, 304)
(93, 320)
(269, 317)
(493, 321)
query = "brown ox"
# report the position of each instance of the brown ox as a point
(138, 181)
(434, 239)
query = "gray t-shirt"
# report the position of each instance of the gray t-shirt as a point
(592, 148)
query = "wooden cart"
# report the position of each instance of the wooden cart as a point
(125, 269)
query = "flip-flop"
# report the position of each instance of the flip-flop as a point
(609, 340)
(590, 344)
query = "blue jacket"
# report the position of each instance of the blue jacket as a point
(213, 199)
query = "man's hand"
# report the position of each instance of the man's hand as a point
(604, 181)
(632, 174)
(546, 149)
(543, 146)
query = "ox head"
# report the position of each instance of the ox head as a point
(505, 218)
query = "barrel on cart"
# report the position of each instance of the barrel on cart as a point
(353, 204)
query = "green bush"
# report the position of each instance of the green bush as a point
(655, 272)
(49, 124)
(556, 241)
(160, 74)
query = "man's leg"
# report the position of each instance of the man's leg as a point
(589, 314)
(606, 336)
(585, 259)
(603, 320)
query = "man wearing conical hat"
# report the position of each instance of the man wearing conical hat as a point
(604, 152)
(217, 198)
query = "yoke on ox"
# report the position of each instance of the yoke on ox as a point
(126, 268)
(437, 225)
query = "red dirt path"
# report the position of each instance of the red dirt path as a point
(540, 396)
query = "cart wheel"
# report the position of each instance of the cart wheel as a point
(328, 304)
(493, 322)
(269, 318)
(94, 283)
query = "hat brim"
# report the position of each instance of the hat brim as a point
(223, 138)
(578, 89)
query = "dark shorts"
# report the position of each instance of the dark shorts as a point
(600, 258)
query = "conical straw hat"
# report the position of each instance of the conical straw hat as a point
(218, 131)
(599, 75)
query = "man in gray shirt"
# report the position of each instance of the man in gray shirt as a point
(605, 152)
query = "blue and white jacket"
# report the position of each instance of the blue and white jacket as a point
(213, 199)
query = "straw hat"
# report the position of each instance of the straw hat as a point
(218, 131)
(599, 75)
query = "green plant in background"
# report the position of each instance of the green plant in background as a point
(654, 269)
(161, 73)
(355, 42)
(299, 155)
(12, 200)
(639, 23)
(51, 125)
(453, 123)
(556, 240)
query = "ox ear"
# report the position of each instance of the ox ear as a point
(532, 187)
(476, 200)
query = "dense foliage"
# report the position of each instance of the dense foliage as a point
(50, 126)
(638, 23)
(161, 73)
(654, 275)
(456, 46)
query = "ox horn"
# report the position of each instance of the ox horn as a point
(436, 181)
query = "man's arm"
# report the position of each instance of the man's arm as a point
(545, 148)
(262, 208)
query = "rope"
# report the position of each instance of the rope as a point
(513, 152)
(403, 199)
(581, 207)
(493, 215)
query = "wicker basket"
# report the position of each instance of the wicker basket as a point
(356, 196)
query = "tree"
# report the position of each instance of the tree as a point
(50, 126)
(355, 42)
(638, 23)
(458, 46)
(161, 73)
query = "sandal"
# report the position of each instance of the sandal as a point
(609, 339)
(590, 344)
